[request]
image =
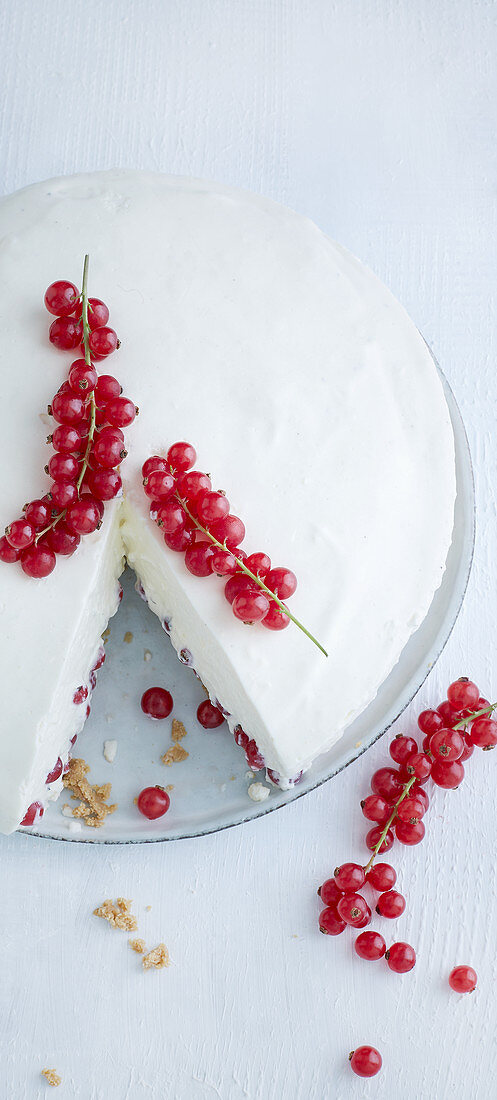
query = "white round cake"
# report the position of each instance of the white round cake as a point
(310, 398)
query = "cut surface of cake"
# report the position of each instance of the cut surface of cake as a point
(310, 398)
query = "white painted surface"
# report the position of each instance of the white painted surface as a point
(378, 120)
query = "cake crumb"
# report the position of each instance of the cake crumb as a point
(110, 749)
(258, 792)
(106, 634)
(52, 1077)
(249, 775)
(178, 730)
(158, 957)
(93, 806)
(128, 637)
(232, 777)
(147, 656)
(135, 800)
(148, 908)
(118, 914)
(138, 946)
(174, 755)
(170, 787)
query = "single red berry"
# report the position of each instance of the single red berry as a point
(159, 485)
(38, 561)
(100, 417)
(402, 747)
(238, 583)
(209, 716)
(170, 514)
(100, 659)
(366, 1061)
(365, 920)
(250, 606)
(98, 313)
(255, 759)
(241, 738)
(62, 494)
(102, 341)
(381, 876)
(376, 809)
(83, 515)
(411, 809)
(61, 298)
(68, 408)
(108, 449)
(259, 564)
(352, 908)
(157, 702)
(281, 581)
(179, 540)
(390, 904)
(349, 877)
(483, 733)
(276, 619)
(61, 540)
(419, 792)
(7, 552)
(373, 837)
(103, 484)
(410, 833)
(463, 979)
(154, 464)
(211, 507)
(449, 775)
(107, 389)
(56, 772)
(80, 695)
(20, 534)
(63, 467)
(449, 716)
(446, 744)
(67, 439)
(33, 812)
(230, 530)
(198, 559)
(387, 783)
(38, 513)
(329, 892)
(120, 412)
(181, 457)
(82, 378)
(192, 485)
(419, 764)
(153, 802)
(462, 694)
(330, 923)
(468, 749)
(401, 957)
(430, 721)
(223, 563)
(370, 945)
(425, 744)
(65, 333)
(482, 704)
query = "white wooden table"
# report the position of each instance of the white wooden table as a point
(378, 120)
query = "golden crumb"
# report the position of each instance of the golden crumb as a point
(52, 1077)
(147, 656)
(174, 755)
(148, 908)
(158, 957)
(178, 731)
(92, 808)
(135, 800)
(118, 914)
(106, 634)
(128, 637)
(138, 946)
(170, 787)
(232, 777)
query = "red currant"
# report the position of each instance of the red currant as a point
(448, 775)
(250, 606)
(7, 552)
(102, 341)
(370, 945)
(63, 467)
(157, 702)
(281, 581)
(349, 877)
(329, 892)
(66, 438)
(483, 733)
(376, 809)
(56, 772)
(61, 298)
(211, 507)
(366, 1061)
(390, 904)
(67, 408)
(32, 813)
(61, 540)
(80, 695)
(107, 389)
(446, 744)
(241, 738)
(468, 749)
(209, 716)
(103, 484)
(108, 449)
(98, 313)
(65, 333)
(153, 802)
(38, 513)
(198, 559)
(410, 833)
(181, 457)
(276, 619)
(38, 561)
(411, 809)
(402, 747)
(373, 837)
(82, 378)
(419, 765)
(449, 716)
(259, 564)
(387, 783)
(63, 493)
(330, 923)
(83, 515)
(239, 583)
(179, 540)
(192, 485)
(381, 876)
(483, 704)
(158, 485)
(463, 979)
(430, 721)
(230, 530)
(120, 412)
(171, 515)
(255, 759)
(223, 563)
(401, 957)
(462, 694)
(353, 909)
(20, 534)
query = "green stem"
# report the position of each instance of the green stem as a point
(477, 714)
(253, 576)
(391, 819)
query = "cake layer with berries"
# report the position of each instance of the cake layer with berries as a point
(310, 399)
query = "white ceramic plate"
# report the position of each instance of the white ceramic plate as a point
(210, 787)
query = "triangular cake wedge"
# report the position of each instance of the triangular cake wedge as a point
(311, 400)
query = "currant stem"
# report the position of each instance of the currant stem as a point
(248, 572)
(477, 714)
(389, 822)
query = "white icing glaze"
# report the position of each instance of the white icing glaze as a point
(310, 398)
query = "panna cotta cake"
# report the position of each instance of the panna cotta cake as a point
(310, 398)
